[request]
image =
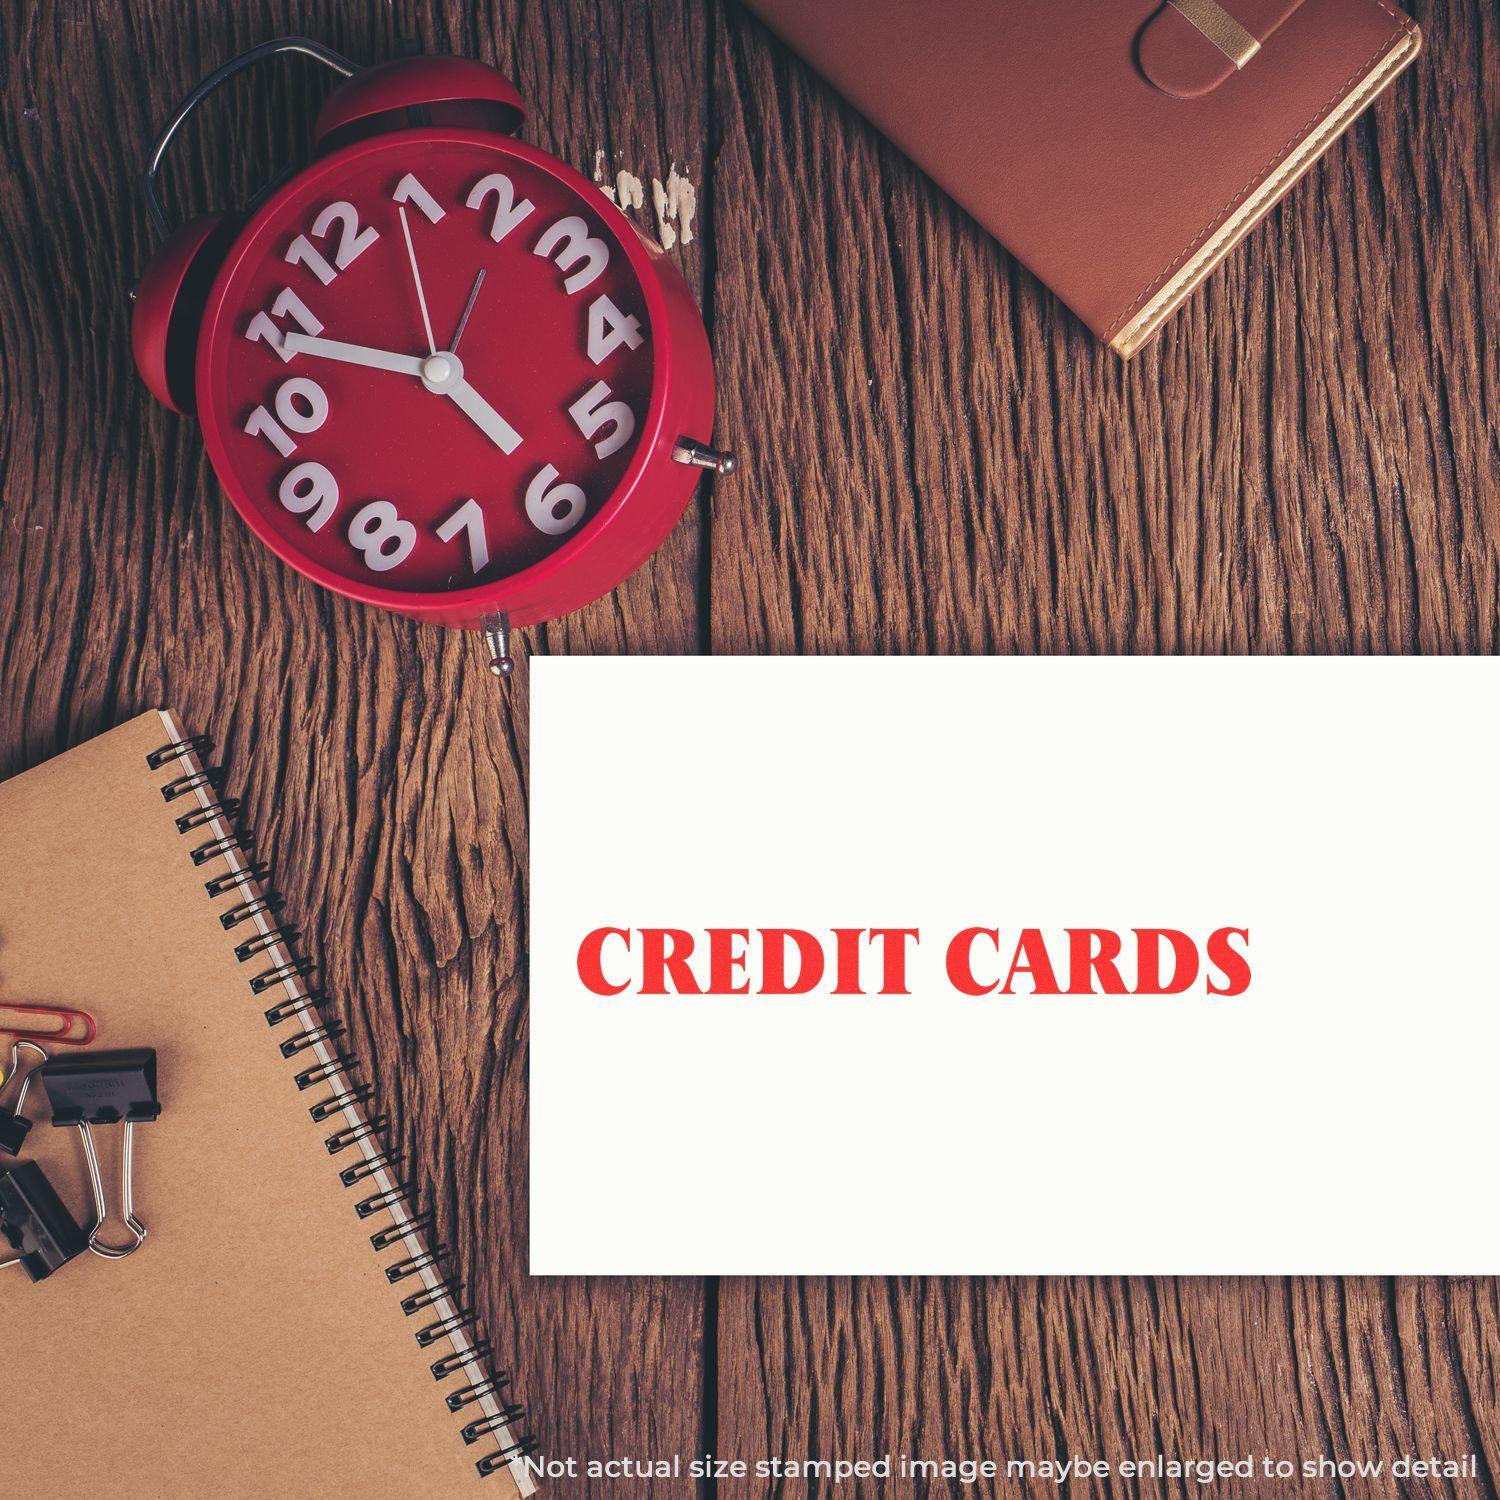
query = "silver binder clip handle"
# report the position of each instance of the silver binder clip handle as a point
(14, 1126)
(127, 1196)
(15, 1072)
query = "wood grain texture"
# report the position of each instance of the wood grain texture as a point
(382, 771)
(935, 458)
(1306, 461)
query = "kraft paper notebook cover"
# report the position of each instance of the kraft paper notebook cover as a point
(1118, 148)
(254, 1346)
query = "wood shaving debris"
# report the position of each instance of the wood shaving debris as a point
(627, 189)
(676, 203)
(631, 190)
(675, 200)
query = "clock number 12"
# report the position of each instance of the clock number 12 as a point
(353, 242)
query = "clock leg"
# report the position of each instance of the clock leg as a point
(497, 638)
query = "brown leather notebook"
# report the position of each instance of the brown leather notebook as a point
(257, 1343)
(1118, 148)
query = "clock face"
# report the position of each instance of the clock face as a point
(428, 364)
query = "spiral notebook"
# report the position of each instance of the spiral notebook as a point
(287, 1329)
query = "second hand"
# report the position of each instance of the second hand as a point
(463, 321)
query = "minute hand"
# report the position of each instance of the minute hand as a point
(353, 354)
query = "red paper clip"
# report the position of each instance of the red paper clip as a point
(47, 1023)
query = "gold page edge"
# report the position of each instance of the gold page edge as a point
(1143, 327)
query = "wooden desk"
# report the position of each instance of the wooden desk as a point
(935, 458)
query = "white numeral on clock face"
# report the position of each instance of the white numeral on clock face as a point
(353, 242)
(508, 213)
(385, 539)
(287, 305)
(568, 243)
(409, 190)
(303, 252)
(551, 507)
(594, 410)
(468, 518)
(610, 329)
(311, 488)
(300, 404)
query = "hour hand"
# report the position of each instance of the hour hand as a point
(352, 354)
(484, 416)
(443, 374)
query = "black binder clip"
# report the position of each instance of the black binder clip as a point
(36, 1224)
(106, 1088)
(14, 1126)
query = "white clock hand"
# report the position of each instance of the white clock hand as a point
(416, 276)
(481, 413)
(441, 373)
(353, 354)
(444, 375)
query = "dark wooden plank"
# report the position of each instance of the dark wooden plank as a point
(382, 769)
(936, 458)
(1065, 1368)
(943, 460)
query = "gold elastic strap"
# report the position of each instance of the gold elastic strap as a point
(1220, 28)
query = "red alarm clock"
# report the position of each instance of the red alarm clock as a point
(437, 369)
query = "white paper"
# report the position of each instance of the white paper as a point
(1336, 1117)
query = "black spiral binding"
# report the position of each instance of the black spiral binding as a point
(243, 890)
